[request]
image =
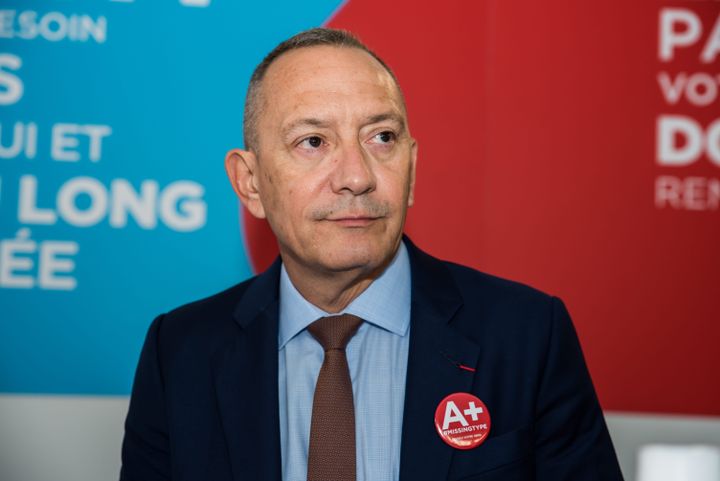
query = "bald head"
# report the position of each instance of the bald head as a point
(256, 96)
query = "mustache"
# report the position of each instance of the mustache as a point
(354, 206)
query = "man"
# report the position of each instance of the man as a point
(356, 356)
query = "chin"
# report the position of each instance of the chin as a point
(353, 257)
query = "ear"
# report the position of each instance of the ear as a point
(241, 167)
(413, 162)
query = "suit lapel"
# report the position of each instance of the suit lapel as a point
(246, 375)
(435, 350)
(246, 383)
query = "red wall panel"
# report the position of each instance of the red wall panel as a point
(537, 130)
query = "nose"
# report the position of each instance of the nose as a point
(352, 170)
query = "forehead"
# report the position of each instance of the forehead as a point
(329, 78)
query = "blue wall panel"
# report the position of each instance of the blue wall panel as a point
(169, 80)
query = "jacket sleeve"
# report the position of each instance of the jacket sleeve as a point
(571, 439)
(146, 448)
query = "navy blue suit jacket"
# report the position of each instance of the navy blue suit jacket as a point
(204, 403)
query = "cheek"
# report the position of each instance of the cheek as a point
(273, 189)
(397, 185)
(292, 201)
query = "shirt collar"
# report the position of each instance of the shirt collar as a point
(385, 303)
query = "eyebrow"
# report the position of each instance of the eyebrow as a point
(320, 123)
(311, 121)
(392, 116)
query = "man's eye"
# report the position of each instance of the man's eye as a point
(385, 137)
(312, 142)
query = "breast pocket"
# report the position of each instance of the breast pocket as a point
(507, 453)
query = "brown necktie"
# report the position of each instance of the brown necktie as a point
(331, 455)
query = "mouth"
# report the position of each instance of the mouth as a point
(352, 220)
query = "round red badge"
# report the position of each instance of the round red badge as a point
(462, 420)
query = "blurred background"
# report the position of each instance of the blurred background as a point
(573, 146)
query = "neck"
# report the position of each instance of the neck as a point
(332, 291)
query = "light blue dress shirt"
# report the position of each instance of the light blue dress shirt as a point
(377, 358)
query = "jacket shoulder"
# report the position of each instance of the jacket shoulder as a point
(472, 282)
(501, 309)
(221, 302)
(204, 318)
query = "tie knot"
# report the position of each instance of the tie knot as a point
(334, 332)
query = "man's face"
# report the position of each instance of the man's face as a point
(335, 164)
